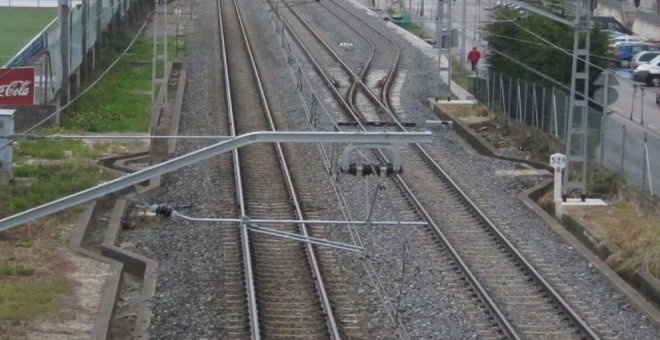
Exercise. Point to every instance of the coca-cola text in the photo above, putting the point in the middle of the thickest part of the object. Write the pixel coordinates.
(16, 88)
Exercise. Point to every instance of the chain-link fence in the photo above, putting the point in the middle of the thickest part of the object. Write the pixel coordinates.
(626, 148)
(44, 51)
(631, 152)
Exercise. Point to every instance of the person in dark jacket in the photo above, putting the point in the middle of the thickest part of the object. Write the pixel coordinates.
(474, 57)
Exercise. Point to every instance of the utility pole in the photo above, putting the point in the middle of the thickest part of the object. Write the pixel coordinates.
(443, 37)
(463, 36)
(159, 48)
(576, 134)
(577, 129)
(85, 22)
(64, 50)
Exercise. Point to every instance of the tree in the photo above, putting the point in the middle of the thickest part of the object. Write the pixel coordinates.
(515, 40)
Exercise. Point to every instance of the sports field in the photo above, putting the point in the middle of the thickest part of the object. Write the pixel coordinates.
(19, 26)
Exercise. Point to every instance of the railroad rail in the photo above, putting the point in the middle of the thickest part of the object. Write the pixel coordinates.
(522, 303)
(286, 292)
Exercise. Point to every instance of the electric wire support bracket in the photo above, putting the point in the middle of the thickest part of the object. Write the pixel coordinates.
(206, 153)
(255, 225)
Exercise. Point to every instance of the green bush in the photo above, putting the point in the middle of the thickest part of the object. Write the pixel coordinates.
(601, 181)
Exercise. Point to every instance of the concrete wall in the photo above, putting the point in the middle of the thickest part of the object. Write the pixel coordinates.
(643, 20)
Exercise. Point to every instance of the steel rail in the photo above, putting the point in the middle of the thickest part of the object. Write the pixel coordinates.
(483, 296)
(311, 257)
(352, 91)
(500, 318)
(473, 281)
(582, 326)
(392, 72)
(319, 69)
(245, 237)
(343, 64)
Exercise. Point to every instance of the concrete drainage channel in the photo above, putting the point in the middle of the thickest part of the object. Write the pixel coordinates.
(124, 310)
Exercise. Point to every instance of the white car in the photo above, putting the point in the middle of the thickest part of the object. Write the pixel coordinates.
(642, 58)
(626, 39)
(648, 73)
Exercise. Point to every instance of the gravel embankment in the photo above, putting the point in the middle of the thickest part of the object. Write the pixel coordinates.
(186, 303)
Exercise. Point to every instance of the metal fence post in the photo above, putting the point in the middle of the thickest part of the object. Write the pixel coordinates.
(543, 110)
(525, 103)
(632, 109)
(519, 102)
(554, 111)
(647, 161)
(602, 139)
(508, 111)
(641, 106)
(502, 101)
(6, 153)
(623, 151)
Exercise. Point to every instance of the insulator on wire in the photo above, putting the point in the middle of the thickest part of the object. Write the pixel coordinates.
(164, 210)
(372, 169)
(368, 170)
(390, 169)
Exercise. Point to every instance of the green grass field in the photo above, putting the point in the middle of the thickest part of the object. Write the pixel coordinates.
(19, 26)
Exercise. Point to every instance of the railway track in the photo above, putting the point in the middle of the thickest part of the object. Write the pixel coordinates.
(517, 298)
(285, 291)
(385, 52)
(305, 32)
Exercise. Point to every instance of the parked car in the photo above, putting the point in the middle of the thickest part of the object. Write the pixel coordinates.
(622, 39)
(643, 58)
(625, 51)
(648, 73)
(610, 23)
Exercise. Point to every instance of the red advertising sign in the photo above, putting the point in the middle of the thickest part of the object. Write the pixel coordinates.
(17, 86)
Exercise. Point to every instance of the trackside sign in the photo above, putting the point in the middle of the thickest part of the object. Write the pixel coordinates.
(17, 86)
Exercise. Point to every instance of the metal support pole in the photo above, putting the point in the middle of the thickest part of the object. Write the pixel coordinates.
(206, 153)
(6, 154)
(606, 84)
(64, 16)
(641, 106)
(85, 23)
(645, 164)
(647, 160)
(623, 151)
(443, 37)
(602, 139)
(463, 36)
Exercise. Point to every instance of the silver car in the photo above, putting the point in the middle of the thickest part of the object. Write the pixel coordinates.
(643, 57)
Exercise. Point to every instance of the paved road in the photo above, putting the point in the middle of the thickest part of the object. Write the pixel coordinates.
(637, 103)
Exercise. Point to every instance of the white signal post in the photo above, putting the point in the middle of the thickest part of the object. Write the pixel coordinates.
(558, 161)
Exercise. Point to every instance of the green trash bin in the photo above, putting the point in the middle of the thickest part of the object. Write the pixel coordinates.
(397, 19)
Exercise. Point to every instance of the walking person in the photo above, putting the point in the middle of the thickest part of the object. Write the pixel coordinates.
(474, 57)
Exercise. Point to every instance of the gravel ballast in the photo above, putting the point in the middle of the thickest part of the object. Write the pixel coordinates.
(187, 303)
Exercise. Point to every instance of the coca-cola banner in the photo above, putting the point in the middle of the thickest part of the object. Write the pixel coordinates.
(17, 86)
